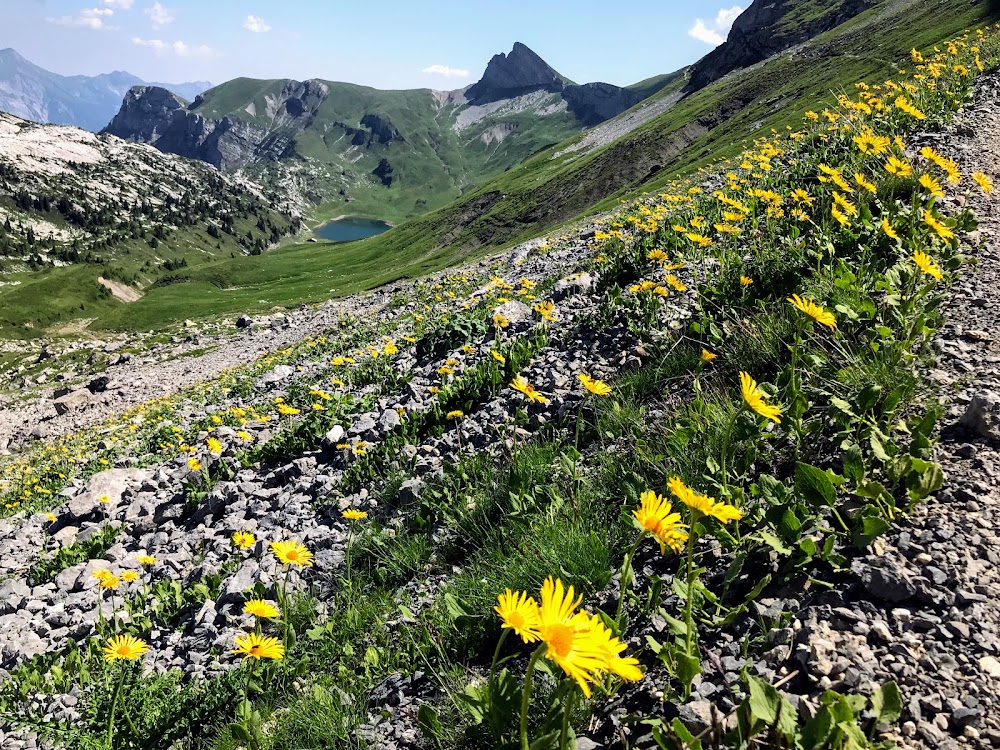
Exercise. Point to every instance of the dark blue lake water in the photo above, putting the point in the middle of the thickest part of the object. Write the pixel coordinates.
(350, 228)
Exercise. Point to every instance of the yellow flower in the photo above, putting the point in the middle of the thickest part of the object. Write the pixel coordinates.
(703, 505)
(814, 311)
(260, 608)
(51, 517)
(287, 411)
(130, 576)
(889, 231)
(657, 516)
(214, 446)
(519, 613)
(707, 356)
(104, 499)
(898, 168)
(547, 311)
(500, 321)
(870, 143)
(110, 582)
(101, 573)
(755, 399)
(521, 385)
(745, 281)
(984, 182)
(938, 227)
(931, 185)
(864, 184)
(569, 635)
(596, 387)
(292, 553)
(657, 256)
(254, 646)
(243, 539)
(456, 414)
(146, 560)
(841, 218)
(125, 647)
(354, 515)
(498, 356)
(926, 264)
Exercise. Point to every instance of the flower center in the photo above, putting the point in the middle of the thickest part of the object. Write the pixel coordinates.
(516, 620)
(123, 650)
(255, 649)
(560, 639)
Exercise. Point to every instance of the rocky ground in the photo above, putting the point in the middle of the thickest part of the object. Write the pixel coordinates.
(922, 607)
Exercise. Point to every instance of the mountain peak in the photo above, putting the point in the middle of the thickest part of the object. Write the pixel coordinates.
(519, 72)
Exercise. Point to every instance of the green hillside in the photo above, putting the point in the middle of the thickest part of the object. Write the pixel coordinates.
(548, 191)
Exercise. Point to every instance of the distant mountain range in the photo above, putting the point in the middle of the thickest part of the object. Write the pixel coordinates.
(88, 102)
(392, 154)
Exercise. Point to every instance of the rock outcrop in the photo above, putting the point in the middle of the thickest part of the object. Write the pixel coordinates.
(768, 27)
(520, 72)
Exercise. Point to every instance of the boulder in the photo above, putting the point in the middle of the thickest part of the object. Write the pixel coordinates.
(982, 416)
(72, 401)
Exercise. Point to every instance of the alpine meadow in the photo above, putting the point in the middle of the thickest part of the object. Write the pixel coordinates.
(660, 416)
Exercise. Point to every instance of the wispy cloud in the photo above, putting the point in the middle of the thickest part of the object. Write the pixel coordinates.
(88, 18)
(178, 48)
(714, 32)
(256, 24)
(160, 16)
(445, 71)
(118, 4)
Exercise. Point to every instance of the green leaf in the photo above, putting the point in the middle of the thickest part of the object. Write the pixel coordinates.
(869, 397)
(429, 723)
(815, 485)
(322, 696)
(240, 733)
(774, 542)
(842, 406)
(854, 465)
(766, 707)
(887, 703)
(878, 449)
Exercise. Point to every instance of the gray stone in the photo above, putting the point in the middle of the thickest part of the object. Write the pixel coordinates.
(982, 416)
(72, 401)
(389, 420)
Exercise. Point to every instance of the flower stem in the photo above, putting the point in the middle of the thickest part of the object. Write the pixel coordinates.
(114, 708)
(689, 604)
(626, 578)
(491, 682)
(526, 695)
(567, 712)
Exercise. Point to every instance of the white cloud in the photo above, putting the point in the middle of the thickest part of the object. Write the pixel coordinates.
(178, 48)
(160, 16)
(714, 32)
(256, 24)
(444, 70)
(119, 4)
(88, 18)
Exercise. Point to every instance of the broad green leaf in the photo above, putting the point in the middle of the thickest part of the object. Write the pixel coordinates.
(887, 703)
(815, 485)
(429, 723)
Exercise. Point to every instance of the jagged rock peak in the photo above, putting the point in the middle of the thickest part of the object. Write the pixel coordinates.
(513, 74)
(144, 109)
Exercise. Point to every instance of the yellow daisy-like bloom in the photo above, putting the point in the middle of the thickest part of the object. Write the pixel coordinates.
(569, 635)
(840, 216)
(260, 608)
(597, 387)
(745, 281)
(500, 321)
(214, 446)
(926, 264)
(254, 646)
(547, 311)
(243, 539)
(984, 182)
(194, 464)
(931, 185)
(126, 647)
(519, 613)
(110, 582)
(456, 414)
(939, 228)
(755, 399)
(521, 385)
(130, 576)
(287, 411)
(51, 517)
(703, 505)
(889, 231)
(657, 256)
(146, 560)
(657, 516)
(865, 184)
(814, 311)
(104, 499)
(101, 574)
(292, 553)
(354, 515)
(498, 356)
(707, 356)
(628, 668)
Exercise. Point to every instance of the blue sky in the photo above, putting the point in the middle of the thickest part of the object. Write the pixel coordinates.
(442, 44)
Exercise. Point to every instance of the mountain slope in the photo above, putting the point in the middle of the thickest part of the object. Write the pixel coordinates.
(559, 185)
(76, 207)
(33, 93)
(392, 154)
